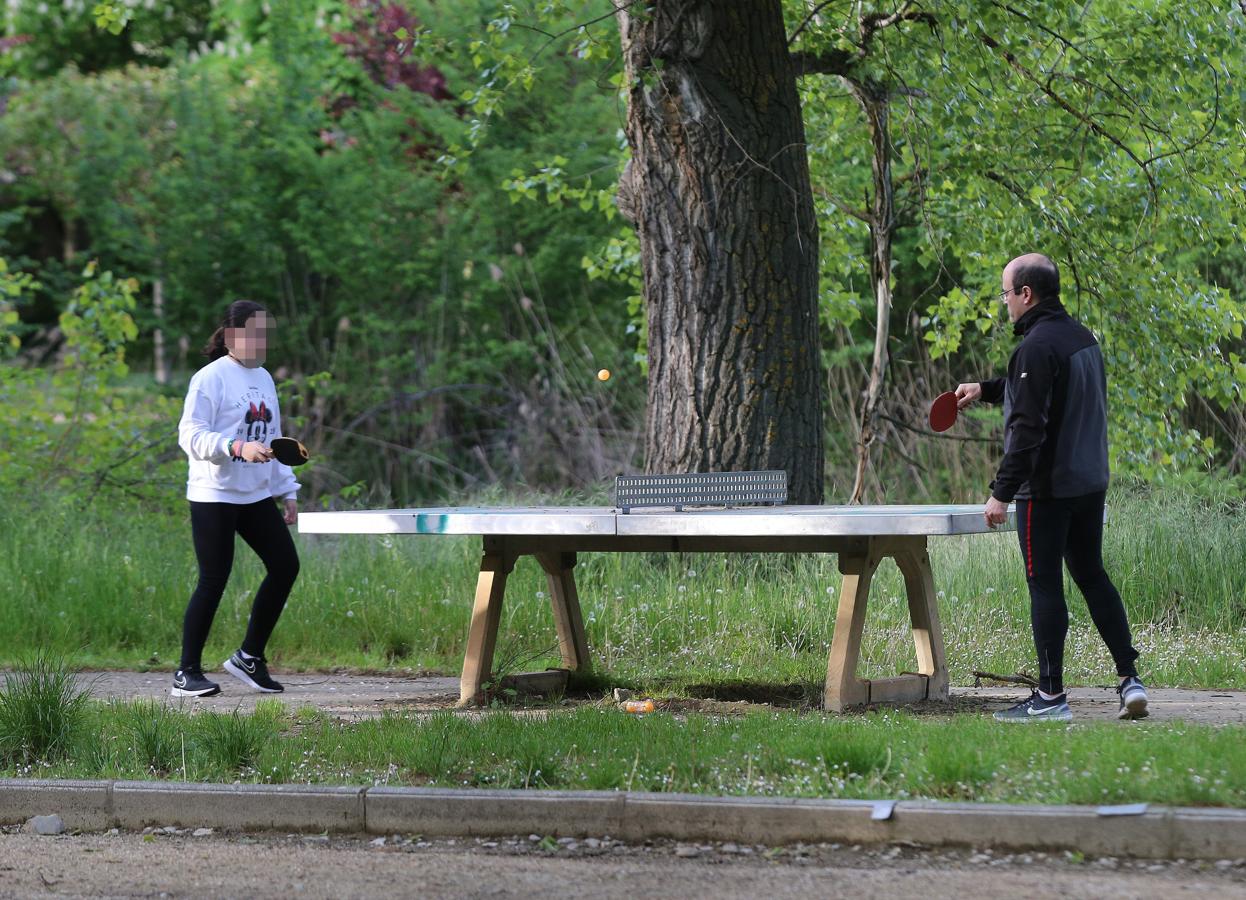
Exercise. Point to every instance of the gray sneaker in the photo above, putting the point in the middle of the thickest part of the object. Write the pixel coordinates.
(1133, 698)
(1036, 709)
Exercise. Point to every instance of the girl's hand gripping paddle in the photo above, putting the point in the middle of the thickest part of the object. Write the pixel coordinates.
(289, 451)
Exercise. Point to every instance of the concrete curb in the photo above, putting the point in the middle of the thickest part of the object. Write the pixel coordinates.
(1140, 830)
(245, 807)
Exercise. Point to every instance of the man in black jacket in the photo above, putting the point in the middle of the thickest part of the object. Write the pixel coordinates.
(1055, 467)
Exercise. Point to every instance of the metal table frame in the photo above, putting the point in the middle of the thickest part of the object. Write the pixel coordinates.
(861, 537)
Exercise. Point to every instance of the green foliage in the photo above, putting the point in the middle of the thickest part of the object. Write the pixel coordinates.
(41, 710)
(70, 431)
(112, 17)
(12, 286)
(273, 163)
(95, 35)
(1109, 138)
(277, 169)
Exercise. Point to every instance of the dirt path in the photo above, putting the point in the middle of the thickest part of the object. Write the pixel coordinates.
(363, 696)
(181, 865)
(345, 696)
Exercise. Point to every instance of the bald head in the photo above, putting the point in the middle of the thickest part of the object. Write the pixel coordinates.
(1036, 271)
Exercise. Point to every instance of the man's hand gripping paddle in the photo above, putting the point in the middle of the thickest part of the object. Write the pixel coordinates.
(289, 451)
(943, 411)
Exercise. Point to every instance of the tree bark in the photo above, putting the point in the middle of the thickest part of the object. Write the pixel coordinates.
(718, 189)
(874, 103)
(157, 304)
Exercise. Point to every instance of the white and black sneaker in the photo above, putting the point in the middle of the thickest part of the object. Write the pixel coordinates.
(1133, 698)
(191, 683)
(252, 672)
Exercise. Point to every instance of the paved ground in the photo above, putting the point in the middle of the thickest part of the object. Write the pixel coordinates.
(346, 696)
(181, 865)
(361, 696)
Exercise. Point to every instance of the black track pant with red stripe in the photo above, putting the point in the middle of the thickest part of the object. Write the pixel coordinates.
(1069, 530)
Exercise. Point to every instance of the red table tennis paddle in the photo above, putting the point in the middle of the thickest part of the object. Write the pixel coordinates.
(943, 411)
(289, 451)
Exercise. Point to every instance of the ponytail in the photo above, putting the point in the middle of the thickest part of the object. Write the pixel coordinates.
(215, 347)
(235, 317)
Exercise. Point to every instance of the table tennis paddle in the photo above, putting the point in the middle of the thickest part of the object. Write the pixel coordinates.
(289, 451)
(943, 411)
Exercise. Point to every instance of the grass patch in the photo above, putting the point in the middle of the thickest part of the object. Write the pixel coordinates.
(156, 738)
(110, 587)
(41, 710)
(232, 742)
(783, 753)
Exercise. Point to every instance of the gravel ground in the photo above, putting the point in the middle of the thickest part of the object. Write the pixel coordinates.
(177, 863)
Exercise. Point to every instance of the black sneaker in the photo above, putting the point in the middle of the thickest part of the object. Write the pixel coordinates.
(191, 683)
(252, 672)
(1036, 709)
(1133, 698)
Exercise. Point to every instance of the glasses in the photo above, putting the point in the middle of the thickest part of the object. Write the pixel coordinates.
(1003, 295)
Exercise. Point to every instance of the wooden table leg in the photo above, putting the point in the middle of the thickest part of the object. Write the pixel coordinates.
(572, 642)
(914, 562)
(843, 689)
(486, 615)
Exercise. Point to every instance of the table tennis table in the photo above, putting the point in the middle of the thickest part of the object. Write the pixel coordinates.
(860, 536)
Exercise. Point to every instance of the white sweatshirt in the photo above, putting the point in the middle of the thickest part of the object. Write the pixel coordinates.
(227, 401)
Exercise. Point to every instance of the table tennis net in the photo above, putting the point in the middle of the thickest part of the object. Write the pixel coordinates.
(700, 489)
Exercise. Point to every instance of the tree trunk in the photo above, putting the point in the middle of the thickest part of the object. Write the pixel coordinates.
(718, 188)
(882, 226)
(157, 304)
(69, 240)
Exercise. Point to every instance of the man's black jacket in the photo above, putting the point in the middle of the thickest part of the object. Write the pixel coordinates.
(1055, 410)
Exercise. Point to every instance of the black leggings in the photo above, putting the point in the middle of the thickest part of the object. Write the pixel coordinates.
(1069, 529)
(213, 526)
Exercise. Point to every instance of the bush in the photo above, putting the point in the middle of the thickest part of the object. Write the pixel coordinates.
(41, 709)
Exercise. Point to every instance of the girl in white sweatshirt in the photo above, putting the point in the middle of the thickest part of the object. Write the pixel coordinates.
(229, 420)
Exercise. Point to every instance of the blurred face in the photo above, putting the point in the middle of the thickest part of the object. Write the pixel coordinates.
(249, 344)
(1018, 298)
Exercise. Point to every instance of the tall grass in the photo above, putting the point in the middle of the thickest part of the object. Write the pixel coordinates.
(41, 710)
(232, 742)
(111, 587)
(157, 742)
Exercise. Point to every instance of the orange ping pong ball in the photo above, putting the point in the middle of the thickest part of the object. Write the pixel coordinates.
(603, 374)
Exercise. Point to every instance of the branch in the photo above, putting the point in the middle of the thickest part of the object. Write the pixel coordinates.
(841, 62)
(942, 435)
(831, 62)
(809, 18)
(1086, 120)
(1020, 677)
(407, 400)
(873, 23)
(1215, 118)
(615, 8)
(844, 208)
